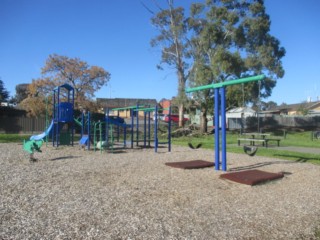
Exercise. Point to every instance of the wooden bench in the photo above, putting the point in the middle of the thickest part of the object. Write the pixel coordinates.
(273, 139)
(251, 140)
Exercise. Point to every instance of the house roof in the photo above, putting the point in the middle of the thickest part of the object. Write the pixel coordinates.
(241, 110)
(296, 106)
(125, 102)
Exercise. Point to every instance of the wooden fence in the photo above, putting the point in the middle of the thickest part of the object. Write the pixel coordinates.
(22, 125)
(38, 125)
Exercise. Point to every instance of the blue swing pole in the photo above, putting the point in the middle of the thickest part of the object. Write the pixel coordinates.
(72, 123)
(223, 130)
(169, 131)
(216, 129)
(149, 128)
(54, 117)
(132, 126)
(88, 129)
(144, 129)
(58, 120)
(137, 126)
(156, 130)
(216, 87)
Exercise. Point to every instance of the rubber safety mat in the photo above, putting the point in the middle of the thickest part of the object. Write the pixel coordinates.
(251, 177)
(194, 164)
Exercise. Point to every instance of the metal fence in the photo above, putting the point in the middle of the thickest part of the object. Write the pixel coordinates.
(22, 125)
(276, 121)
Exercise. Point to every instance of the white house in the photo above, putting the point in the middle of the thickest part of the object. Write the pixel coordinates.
(236, 116)
(240, 112)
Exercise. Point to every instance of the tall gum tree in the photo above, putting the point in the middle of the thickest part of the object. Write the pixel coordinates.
(173, 41)
(230, 39)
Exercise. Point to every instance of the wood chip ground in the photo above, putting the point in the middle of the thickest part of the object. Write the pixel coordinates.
(75, 194)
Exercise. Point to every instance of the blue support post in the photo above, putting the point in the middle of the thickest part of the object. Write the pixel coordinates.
(118, 128)
(89, 130)
(54, 116)
(156, 130)
(223, 130)
(125, 135)
(108, 123)
(137, 127)
(72, 123)
(216, 129)
(145, 130)
(58, 120)
(132, 126)
(169, 131)
(149, 129)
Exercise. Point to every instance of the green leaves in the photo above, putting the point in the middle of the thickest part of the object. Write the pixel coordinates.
(233, 40)
(4, 94)
(221, 40)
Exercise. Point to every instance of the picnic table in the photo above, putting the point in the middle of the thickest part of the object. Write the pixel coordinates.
(257, 135)
(263, 138)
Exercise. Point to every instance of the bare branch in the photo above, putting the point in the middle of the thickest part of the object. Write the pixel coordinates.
(147, 8)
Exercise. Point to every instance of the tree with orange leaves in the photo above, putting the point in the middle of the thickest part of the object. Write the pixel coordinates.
(58, 70)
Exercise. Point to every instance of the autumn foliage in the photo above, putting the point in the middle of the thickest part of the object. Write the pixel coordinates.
(58, 70)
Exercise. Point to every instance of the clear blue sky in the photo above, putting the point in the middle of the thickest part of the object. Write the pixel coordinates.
(116, 35)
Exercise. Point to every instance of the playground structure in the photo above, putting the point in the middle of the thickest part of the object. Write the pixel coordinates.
(220, 109)
(62, 124)
(103, 133)
(134, 127)
(63, 121)
(107, 134)
(94, 132)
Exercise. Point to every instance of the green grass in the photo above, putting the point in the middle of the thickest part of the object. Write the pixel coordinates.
(13, 138)
(18, 138)
(297, 139)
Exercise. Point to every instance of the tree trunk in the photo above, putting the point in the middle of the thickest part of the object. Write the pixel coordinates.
(203, 121)
(181, 93)
(181, 115)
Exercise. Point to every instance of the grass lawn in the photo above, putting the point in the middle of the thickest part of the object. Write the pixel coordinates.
(294, 139)
(11, 138)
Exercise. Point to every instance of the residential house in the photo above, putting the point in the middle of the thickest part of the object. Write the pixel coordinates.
(305, 108)
(236, 117)
(165, 104)
(107, 104)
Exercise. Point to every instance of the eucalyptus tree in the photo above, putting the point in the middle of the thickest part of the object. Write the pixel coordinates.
(230, 39)
(173, 41)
